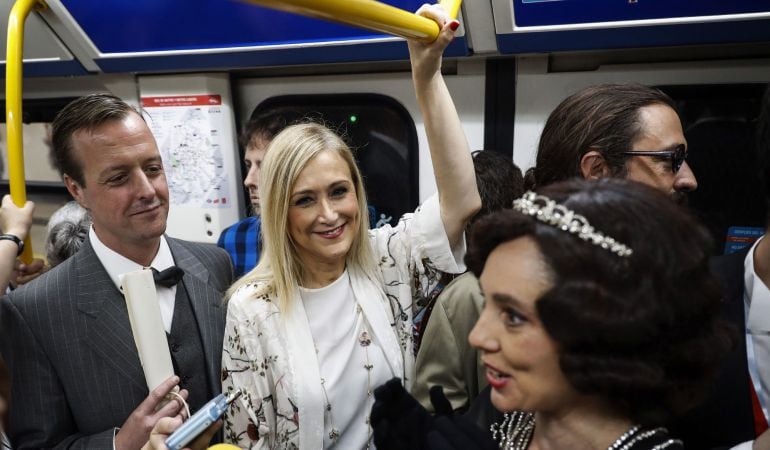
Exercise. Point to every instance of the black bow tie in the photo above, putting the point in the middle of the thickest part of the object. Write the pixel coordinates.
(168, 277)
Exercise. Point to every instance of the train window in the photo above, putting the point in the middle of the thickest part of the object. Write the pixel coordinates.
(44, 185)
(381, 134)
(39, 169)
(720, 124)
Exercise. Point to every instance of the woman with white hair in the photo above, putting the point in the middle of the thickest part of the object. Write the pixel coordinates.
(67, 229)
(325, 317)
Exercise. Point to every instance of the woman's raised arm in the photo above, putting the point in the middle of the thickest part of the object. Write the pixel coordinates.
(450, 154)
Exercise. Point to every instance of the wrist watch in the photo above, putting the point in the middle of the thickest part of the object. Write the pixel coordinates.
(14, 238)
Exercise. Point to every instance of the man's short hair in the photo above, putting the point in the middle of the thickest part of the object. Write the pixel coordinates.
(85, 113)
(604, 118)
(267, 124)
(498, 179)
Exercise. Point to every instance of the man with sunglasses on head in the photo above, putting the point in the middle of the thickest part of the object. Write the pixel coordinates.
(616, 130)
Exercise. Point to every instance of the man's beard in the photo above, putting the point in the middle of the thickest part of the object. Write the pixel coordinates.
(680, 198)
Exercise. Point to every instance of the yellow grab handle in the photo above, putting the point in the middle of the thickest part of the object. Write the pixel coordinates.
(13, 78)
(368, 14)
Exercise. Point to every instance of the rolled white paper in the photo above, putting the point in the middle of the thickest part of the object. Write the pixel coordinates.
(147, 326)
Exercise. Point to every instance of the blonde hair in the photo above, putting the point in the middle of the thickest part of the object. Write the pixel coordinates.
(279, 270)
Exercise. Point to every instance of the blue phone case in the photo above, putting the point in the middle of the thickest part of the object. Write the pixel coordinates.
(197, 424)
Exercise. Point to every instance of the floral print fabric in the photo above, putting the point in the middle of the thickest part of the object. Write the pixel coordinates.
(256, 355)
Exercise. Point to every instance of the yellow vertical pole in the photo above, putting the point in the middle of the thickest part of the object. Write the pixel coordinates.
(369, 14)
(13, 84)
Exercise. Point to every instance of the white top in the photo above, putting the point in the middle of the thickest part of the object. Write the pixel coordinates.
(337, 326)
(756, 298)
(116, 265)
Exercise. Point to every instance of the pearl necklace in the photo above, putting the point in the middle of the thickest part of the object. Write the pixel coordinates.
(516, 430)
(364, 340)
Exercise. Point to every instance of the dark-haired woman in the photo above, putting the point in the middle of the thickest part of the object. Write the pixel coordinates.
(596, 328)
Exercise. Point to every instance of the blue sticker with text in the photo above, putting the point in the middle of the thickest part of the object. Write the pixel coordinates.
(741, 237)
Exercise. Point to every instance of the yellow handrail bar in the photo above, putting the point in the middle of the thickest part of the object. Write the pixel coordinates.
(13, 82)
(367, 14)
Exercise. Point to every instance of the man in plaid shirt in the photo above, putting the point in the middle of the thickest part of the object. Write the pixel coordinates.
(242, 239)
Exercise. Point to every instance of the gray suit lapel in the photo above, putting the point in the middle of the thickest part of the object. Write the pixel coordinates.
(108, 328)
(207, 307)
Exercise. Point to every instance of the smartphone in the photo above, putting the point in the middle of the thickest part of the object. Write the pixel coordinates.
(200, 421)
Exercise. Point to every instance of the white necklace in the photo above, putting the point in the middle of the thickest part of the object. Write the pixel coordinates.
(364, 340)
(516, 430)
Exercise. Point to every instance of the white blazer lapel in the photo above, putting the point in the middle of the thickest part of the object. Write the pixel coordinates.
(306, 376)
(372, 303)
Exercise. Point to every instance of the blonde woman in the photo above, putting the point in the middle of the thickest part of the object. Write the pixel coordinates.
(325, 317)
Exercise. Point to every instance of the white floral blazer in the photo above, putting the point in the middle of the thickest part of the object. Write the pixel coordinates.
(270, 355)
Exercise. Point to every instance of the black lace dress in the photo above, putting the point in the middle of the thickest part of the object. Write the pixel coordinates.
(399, 422)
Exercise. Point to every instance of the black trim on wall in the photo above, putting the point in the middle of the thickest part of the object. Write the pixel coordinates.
(39, 110)
(500, 105)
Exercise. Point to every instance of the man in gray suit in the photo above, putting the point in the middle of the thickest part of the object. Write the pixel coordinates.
(76, 377)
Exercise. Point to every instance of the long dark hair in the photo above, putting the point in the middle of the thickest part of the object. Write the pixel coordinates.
(604, 118)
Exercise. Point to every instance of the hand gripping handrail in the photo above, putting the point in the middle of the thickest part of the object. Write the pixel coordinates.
(369, 14)
(13, 82)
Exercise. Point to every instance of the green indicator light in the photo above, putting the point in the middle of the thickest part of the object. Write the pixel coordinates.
(354, 118)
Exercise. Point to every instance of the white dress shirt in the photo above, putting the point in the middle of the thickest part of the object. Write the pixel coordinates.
(756, 298)
(117, 264)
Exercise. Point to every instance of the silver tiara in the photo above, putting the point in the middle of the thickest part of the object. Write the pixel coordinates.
(548, 211)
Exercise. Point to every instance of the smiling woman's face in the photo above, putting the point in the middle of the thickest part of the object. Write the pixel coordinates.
(323, 211)
(521, 358)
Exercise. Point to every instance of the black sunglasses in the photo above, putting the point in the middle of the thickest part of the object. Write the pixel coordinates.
(677, 155)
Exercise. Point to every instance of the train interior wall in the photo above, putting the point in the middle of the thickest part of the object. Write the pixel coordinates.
(726, 198)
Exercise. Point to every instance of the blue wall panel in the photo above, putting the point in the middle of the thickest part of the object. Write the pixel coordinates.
(604, 24)
(635, 37)
(529, 13)
(124, 26)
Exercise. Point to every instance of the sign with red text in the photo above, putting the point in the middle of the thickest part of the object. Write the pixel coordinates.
(188, 130)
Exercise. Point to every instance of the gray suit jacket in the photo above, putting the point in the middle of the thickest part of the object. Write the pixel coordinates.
(67, 341)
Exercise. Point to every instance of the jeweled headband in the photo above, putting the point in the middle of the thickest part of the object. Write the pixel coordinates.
(548, 211)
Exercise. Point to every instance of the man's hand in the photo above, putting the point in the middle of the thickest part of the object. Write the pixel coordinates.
(135, 432)
(24, 273)
(168, 425)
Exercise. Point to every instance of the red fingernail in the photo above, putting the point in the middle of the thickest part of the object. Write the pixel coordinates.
(454, 24)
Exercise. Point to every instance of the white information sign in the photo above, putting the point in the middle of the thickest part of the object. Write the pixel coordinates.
(189, 132)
